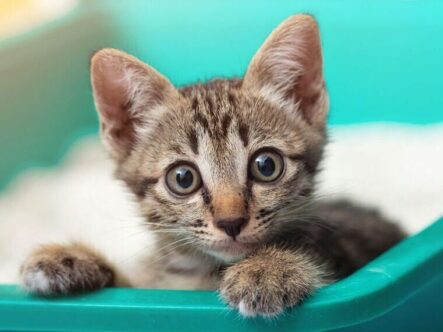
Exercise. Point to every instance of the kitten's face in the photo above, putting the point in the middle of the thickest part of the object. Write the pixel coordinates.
(224, 167)
(220, 167)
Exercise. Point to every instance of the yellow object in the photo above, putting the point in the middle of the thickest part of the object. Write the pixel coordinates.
(17, 16)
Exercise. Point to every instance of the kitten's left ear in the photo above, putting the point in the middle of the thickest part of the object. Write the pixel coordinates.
(287, 69)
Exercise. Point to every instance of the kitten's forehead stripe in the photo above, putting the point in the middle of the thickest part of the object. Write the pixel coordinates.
(177, 149)
(243, 132)
(193, 141)
(232, 99)
(215, 107)
(226, 122)
(209, 103)
(194, 103)
(201, 119)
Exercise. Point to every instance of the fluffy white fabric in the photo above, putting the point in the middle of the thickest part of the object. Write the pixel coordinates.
(397, 168)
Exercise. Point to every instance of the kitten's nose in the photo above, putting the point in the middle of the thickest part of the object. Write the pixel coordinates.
(232, 227)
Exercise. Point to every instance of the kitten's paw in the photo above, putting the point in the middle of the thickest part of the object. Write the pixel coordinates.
(269, 282)
(56, 270)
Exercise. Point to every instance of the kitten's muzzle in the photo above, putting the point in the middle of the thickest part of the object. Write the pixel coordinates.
(232, 227)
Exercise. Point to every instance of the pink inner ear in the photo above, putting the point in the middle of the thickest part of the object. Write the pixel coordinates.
(112, 91)
(119, 126)
(310, 85)
(110, 88)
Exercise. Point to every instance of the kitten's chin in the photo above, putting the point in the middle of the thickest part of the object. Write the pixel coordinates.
(230, 252)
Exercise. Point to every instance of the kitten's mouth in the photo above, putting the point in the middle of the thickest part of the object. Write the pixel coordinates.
(230, 250)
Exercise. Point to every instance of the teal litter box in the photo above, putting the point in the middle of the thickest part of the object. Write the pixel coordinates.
(383, 62)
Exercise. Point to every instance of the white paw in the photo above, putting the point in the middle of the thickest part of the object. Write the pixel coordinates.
(55, 270)
(36, 282)
(244, 310)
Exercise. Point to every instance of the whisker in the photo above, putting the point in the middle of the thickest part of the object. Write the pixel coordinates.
(157, 250)
(178, 244)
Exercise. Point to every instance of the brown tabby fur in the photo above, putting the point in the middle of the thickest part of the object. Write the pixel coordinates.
(291, 244)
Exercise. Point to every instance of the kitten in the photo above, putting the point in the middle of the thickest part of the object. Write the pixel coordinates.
(224, 173)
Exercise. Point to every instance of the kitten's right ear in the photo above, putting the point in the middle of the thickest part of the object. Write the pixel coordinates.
(127, 94)
(287, 69)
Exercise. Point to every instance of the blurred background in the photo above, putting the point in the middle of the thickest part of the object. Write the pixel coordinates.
(384, 71)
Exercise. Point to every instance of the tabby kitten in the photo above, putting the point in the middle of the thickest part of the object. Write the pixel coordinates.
(224, 171)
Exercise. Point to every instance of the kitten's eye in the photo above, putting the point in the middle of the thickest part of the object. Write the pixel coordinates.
(266, 166)
(183, 179)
